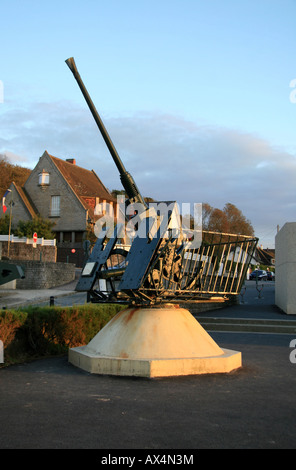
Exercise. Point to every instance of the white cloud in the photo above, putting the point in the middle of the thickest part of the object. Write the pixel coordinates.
(170, 158)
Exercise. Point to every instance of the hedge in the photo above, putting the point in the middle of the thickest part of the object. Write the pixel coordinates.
(33, 332)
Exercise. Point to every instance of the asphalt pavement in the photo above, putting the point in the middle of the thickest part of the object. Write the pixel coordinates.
(50, 404)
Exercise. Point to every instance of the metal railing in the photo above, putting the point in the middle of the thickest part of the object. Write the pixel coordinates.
(217, 268)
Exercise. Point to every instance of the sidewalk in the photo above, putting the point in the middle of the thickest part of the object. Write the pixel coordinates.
(15, 298)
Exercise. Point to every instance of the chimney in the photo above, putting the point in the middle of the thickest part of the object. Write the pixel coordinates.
(71, 160)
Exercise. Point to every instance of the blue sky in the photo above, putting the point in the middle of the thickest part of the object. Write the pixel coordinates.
(195, 95)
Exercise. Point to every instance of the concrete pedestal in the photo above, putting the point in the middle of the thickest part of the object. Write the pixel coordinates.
(154, 342)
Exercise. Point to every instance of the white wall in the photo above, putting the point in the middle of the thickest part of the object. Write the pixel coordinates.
(285, 268)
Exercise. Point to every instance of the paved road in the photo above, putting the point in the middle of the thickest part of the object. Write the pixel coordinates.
(51, 404)
(262, 297)
(77, 298)
(253, 304)
(65, 295)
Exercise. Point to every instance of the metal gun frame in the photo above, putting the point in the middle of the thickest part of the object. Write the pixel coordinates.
(174, 274)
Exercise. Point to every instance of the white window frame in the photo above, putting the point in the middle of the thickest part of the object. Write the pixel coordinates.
(55, 207)
(43, 178)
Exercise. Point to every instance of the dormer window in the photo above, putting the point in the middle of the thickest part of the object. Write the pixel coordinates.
(43, 178)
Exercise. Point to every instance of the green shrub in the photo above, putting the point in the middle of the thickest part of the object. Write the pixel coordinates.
(42, 331)
(10, 321)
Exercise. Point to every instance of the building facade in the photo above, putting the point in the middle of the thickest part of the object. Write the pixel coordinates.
(66, 194)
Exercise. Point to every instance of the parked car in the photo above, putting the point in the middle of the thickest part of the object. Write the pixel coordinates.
(270, 276)
(259, 274)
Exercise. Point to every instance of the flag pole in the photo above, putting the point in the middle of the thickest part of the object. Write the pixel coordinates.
(9, 229)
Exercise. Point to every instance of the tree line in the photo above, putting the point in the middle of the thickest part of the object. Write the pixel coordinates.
(228, 220)
(10, 173)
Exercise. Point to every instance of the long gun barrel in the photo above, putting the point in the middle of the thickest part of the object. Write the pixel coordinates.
(126, 178)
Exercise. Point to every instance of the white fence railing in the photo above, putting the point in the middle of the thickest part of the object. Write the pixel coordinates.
(28, 241)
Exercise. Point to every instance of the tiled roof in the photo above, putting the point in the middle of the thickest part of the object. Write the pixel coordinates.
(26, 200)
(265, 256)
(85, 183)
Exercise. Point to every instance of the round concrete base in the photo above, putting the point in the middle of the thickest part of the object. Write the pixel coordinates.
(154, 342)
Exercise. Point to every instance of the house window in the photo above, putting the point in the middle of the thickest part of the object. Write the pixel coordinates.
(43, 178)
(55, 206)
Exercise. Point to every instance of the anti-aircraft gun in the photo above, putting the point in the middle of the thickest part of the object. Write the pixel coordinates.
(164, 262)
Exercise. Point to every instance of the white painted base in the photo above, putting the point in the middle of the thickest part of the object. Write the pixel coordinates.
(154, 342)
(156, 367)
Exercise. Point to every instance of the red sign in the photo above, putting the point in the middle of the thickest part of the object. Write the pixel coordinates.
(35, 237)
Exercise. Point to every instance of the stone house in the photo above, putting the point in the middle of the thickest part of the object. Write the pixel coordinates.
(265, 256)
(66, 194)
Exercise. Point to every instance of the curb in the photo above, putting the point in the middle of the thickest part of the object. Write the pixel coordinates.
(252, 325)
